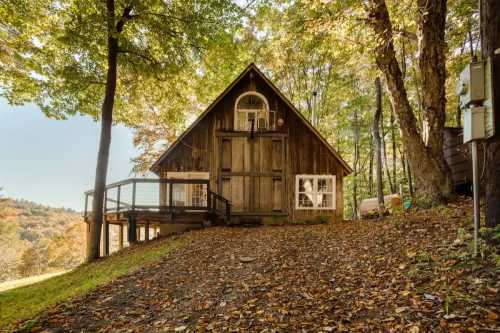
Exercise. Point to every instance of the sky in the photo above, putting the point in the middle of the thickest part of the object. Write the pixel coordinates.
(52, 162)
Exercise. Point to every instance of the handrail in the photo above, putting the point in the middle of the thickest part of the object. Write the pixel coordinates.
(150, 180)
(226, 212)
(118, 204)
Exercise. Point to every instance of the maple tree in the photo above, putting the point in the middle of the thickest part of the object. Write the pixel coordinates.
(80, 56)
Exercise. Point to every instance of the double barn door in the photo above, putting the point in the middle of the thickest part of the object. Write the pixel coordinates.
(252, 172)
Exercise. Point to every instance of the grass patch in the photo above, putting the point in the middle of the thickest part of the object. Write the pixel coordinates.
(26, 302)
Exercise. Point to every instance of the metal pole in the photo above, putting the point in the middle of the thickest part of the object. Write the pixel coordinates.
(475, 189)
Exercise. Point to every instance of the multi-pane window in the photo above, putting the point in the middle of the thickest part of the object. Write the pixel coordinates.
(315, 192)
(251, 109)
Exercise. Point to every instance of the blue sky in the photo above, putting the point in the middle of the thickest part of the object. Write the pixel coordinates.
(53, 161)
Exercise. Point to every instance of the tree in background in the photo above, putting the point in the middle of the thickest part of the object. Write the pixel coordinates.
(378, 147)
(432, 174)
(71, 56)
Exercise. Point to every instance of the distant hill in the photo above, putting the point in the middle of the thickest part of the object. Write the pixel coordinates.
(38, 239)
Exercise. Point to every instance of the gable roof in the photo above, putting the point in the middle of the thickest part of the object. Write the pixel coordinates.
(250, 67)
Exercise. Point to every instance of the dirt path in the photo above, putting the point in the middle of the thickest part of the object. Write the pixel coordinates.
(7, 285)
(364, 276)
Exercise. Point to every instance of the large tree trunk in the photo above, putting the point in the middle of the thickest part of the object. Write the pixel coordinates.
(378, 147)
(490, 29)
(94, 236)
(432, 66)
(432, 175)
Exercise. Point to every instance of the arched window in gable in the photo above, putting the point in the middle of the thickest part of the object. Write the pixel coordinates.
(252, 108)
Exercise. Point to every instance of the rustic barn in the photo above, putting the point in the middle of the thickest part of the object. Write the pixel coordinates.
(260, 153)
(250, 157)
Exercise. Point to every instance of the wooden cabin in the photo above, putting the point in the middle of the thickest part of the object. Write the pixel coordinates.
(260, 153)
(250, 157)
(458, 156)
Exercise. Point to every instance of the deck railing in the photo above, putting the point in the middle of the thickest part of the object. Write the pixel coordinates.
(160, 195)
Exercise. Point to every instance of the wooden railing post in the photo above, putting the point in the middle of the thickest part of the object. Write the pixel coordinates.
(105, 203)
(118, 198)
(228, 209)
(133, 194)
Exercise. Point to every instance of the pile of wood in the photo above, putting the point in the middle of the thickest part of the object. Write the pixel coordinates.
(369, 207)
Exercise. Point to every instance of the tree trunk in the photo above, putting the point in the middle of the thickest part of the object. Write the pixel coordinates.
(432, 65)
(432, 175)
(370, 174)
(355, 165)
(378, 147)
(394, 149)
(384, 150)
(93, 239)
(490, 30)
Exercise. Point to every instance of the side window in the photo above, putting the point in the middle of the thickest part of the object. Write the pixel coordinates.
(315, 192)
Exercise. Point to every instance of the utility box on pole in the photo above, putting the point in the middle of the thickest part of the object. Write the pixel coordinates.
(474, 123)
(471, 84)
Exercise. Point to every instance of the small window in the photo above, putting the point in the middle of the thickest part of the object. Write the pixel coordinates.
(315, 192)
(252, 109)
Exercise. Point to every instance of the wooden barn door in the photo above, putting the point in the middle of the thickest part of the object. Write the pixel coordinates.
(252, 173)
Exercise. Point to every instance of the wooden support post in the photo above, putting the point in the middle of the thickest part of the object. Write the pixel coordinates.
(106, 238)
(132, 230)
(120, 237)
(138, 230)
(146, 232)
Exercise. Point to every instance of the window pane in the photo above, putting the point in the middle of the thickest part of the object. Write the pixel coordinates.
(306, 184)
(325, 185)
(251, 102)
(199, 195)
(179, 194)
(325, 200)
(241, 121)
(305, 200)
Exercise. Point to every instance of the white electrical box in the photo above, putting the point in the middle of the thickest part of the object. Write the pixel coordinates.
(470, 87)
(473, 124)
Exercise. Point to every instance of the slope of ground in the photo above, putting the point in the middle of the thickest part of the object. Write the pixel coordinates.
(407, 273)
(28, 301)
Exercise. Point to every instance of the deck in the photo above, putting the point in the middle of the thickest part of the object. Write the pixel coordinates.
(137, 204)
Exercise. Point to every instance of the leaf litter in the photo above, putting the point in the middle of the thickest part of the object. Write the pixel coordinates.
(401, 274)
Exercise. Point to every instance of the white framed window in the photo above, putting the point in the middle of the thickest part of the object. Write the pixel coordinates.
(314, 192)
(252, 107)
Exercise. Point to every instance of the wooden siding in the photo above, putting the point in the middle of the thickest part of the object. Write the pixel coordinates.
(213, 146)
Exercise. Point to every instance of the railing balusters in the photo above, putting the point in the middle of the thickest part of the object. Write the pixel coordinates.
(215, 203)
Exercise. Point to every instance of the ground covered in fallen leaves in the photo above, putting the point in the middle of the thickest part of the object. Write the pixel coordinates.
(408, 273)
